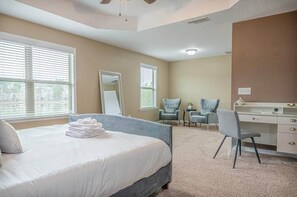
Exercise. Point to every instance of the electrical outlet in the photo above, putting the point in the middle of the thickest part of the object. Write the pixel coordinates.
(244, 91)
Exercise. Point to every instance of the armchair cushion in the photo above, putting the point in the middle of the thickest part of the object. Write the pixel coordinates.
(198, 119)
(169, 110)
(194, 113)
(169, 116)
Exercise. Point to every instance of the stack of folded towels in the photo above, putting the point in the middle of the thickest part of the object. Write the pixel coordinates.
(85, 128)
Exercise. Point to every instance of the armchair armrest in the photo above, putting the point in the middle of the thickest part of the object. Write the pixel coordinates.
(211, 117)
(194, 113)
(160, 113)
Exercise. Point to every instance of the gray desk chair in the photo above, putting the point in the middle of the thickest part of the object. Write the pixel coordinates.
(230, 127)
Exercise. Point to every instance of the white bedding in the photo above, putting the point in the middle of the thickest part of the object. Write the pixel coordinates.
(57, 165)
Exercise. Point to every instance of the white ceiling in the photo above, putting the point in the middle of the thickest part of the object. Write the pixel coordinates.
(160, 29)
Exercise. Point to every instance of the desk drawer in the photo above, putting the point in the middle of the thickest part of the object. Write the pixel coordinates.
(284, 128)
(259, 119)
(287, 120)
(287, 143)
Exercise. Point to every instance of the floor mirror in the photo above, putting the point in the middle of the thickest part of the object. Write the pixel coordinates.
(111, 92)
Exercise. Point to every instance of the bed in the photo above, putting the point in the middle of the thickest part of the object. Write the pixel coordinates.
(132, 159)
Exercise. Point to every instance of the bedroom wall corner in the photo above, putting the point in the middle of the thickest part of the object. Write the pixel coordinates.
(92, 56)
(199, 78)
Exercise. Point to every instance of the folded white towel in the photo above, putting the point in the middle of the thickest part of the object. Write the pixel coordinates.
(83, 135)
(75, 132)
(87, 121)
(85, 128)
(76, 124)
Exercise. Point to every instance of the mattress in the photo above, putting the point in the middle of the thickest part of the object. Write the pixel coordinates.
(57, 165)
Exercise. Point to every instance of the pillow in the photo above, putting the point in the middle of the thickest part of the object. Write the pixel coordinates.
(9, 140)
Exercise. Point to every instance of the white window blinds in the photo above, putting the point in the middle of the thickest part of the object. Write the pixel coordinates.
(35, 81)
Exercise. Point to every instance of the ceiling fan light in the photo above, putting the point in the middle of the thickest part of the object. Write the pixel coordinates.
(191, 51)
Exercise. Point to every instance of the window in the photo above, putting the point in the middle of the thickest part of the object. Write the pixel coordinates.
(148, 86)
(35, 80)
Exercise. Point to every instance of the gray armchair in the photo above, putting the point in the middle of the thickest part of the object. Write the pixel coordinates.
(208, 114)
(171, 109)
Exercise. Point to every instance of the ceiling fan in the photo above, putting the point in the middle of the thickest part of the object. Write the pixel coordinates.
(108, 1)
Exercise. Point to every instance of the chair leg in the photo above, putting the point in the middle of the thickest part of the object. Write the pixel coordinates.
(239, 147)
(220, 146)
(235, 154)
(256, 149)
(207, 127)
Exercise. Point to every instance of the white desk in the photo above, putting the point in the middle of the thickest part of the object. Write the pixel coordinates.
(277, 123)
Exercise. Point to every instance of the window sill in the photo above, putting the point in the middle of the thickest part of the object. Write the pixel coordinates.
(35, 119)
(148, 109)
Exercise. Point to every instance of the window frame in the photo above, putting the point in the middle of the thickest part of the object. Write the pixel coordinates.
(51, 46)
(154, 88)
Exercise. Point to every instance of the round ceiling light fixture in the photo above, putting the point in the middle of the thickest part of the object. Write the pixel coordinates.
(191, 51)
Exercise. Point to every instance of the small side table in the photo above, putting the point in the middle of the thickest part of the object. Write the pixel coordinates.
(184, 114)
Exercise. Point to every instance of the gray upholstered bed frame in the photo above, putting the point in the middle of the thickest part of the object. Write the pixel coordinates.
(162, 177)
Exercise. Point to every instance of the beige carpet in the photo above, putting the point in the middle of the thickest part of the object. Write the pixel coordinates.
(195, 173)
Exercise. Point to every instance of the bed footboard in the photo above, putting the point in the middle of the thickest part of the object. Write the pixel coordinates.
(163, 176)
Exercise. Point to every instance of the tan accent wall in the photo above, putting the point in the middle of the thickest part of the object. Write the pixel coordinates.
(194, 79)
(90, 57)
(264, 57)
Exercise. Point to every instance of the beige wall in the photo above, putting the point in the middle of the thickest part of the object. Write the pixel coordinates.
(194, 79)
(90, 57)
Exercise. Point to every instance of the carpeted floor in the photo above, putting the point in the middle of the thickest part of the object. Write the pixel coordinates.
(195, 173)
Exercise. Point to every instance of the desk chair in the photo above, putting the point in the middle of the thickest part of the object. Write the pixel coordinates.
(230, 127)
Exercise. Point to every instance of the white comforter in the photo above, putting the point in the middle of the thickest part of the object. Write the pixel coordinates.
(57, 165)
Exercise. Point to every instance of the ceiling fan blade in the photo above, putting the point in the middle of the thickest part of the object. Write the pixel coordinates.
(150, 1)
(105, 1)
